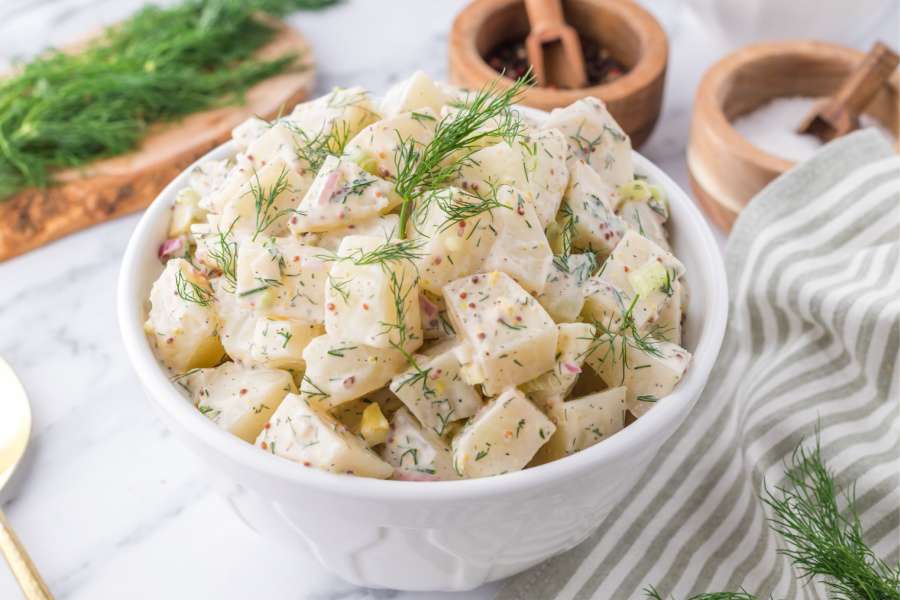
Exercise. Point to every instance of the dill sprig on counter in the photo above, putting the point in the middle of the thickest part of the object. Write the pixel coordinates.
(423, 168)
(823, 541)
(66, 110)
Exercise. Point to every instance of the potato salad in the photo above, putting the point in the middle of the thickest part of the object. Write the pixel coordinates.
(433, 287)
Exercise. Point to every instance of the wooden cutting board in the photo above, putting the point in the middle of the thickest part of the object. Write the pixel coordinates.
(117, 186)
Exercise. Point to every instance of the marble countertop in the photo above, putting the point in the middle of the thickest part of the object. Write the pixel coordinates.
(109, 505)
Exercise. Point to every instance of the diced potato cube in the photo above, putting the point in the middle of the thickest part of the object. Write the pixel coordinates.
(341, 113)
(435, 322)
(416, 453)
(370, 300)
(283, 278)
(416, 93)
(649, 368)
(575, 340)
(503, 437)
(257, 269)
(341, 194)
(535, 164)
(238, 399)
(376, 147)
(563, 294)
(587, 215)
(669, 324)
(279, 344)
(236, 180)
(640, 190)
(186, 212)
(374, 427)
(249, 131)
(340, 370)
(646, 272)
(520, 249)
(583, 422)
(640, 218)
(605, 304)
(237, 322)
(351, 413)
(455, 238)
(208, 176)
(265, 201)
(511, 336)
(301, 433)
(386, 227)
(182, 321)
(281, 141)
(434, 391)
(594, 137)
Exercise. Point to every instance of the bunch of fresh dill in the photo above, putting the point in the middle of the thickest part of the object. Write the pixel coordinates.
(66, 110)
(822, 541)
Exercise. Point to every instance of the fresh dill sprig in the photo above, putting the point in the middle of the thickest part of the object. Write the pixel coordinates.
(224, 253)
(400, 292)
(316, 392)
(264, 284)
(65, 110)
(569, 224)
(190, 291)
(423, 168)
(650, 593)
(617, 339)
(462, 207)
(287, 335)
(314, 149)
(389, 251)
(339, 287)
(264, 201)
(822, 541)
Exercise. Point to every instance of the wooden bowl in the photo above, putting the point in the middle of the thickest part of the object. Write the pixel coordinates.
(725, 169)
(630, 33)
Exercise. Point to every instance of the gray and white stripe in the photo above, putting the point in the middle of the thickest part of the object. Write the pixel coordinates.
(814, 341)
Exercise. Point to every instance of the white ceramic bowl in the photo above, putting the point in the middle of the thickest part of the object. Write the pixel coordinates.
(453, 535)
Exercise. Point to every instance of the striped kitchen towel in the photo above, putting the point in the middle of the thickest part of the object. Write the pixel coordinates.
(814, 273)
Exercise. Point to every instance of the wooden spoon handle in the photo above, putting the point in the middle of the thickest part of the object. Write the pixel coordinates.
(864, 82)
(545, 16)
(23, 568)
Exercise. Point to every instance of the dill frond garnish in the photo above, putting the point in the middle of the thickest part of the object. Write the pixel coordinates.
(387, 252)
(190, 291)
(264, 201)
(339, 287)
(310, 389)
(224, 253)
(616, 340)
(423, 168)
(460, 207)
(650, 593)
(570, 222)
(66, 110)
(822, 541)
(314, 149)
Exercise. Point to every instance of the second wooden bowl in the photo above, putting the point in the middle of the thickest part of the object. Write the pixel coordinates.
(725, 169)
(631, 34)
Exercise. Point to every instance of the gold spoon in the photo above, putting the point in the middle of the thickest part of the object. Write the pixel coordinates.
(15, 428)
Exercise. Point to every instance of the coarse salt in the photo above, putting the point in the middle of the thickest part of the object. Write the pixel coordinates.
(771, 128)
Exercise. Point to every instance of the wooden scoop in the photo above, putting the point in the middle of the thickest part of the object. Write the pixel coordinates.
(564, 61)
(839, 114)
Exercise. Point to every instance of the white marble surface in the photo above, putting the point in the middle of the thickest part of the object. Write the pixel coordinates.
(108, 504)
